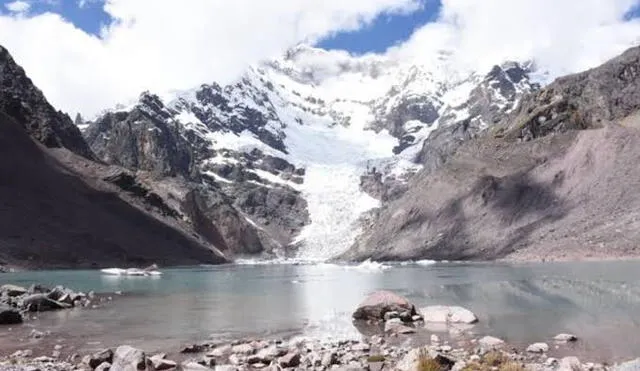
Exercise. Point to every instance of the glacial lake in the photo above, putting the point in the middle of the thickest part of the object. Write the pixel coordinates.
(524, 303)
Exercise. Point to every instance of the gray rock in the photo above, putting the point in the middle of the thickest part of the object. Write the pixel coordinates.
(127, 358)
(193, 348)
(391, 315)
(490, 342)
(329, 358)
(105, 355)
(538, 348)
(444, 314)
(291, 359)
(361, 347)
(41, 303)
(220, 351)
(35, 334)
(570, 364)
(9, 316)
(13, 290)
(105, 366)
(377, 304)
(225, 368)
(160, 363)
(243, 349)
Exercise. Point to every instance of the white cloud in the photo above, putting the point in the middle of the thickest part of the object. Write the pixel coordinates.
(563, 36)
(18, 6)
(160, 45)
(173, 44)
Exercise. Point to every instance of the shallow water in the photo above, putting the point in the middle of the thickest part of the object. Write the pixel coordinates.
(598, 301)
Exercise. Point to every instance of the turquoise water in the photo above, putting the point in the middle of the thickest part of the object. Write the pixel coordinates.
(600, 302)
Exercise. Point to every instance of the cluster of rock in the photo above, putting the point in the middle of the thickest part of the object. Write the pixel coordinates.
(373, 353)
(16, 300)
(399, 316)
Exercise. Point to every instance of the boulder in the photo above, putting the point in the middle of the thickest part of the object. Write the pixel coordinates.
(538, 348)
(329, 359)
(159, 363)
(220, 351)
(41, 303)
(490, 342)
(98, 358)
(13, 290)
(105, 366)
(376, 305)
(9, 316)
(446, 314)
(127, 358)
(291, 359)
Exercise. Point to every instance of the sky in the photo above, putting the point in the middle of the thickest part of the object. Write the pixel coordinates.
(87, 55)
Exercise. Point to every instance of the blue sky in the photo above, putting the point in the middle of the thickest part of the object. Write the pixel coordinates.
(383, 32)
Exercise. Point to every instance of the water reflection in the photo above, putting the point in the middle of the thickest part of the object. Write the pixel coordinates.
(524, 303)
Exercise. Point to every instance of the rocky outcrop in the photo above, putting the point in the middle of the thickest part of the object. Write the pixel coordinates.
(142, 139)
(495, 96)
(63, 209)
(553, 196)
(244, 203)
(591, 99)
(21, 101)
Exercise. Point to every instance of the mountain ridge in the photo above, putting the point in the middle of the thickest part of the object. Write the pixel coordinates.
(327, 123)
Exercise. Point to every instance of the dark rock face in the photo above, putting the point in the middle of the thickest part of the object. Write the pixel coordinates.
(142, 139)
(222, 192)
(237, 117)
(529, 188)
(60, 208)
(24, 103)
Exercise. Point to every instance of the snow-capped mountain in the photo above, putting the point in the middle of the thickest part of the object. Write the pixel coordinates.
(300, 147)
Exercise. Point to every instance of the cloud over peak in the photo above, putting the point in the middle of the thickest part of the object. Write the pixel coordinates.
(170, 44)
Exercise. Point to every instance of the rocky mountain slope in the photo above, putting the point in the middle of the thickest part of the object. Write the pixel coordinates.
(554, 179)
(299, 149)
(61, 208)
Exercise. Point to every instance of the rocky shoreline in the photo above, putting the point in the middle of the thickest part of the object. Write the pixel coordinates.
(390, 326)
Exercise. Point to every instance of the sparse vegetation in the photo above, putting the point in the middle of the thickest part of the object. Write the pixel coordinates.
(511, 366)
(494, 360)
(376, 358)
(426, 363)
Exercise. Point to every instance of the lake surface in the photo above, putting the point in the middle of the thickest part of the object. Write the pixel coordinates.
(598, 301)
